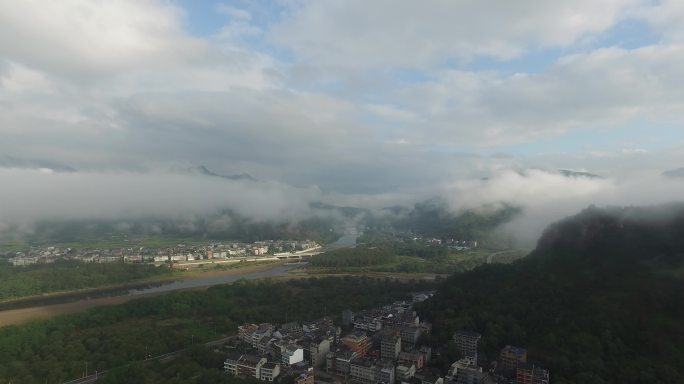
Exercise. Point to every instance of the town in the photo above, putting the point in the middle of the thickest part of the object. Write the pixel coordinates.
(380, 345)
(162, 255)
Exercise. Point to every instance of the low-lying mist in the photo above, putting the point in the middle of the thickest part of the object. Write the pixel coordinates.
(29, 196)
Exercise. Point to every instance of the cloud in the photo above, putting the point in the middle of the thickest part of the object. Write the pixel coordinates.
(83, 39)
(35, 194)
(604, 88)
(546, 197)
(356, 103)
(404, 34)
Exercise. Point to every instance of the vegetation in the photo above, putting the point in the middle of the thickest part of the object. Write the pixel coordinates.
(353, 257)
(598, 301)
(115, 336)
(434, 218)
(16, 282)
(224, 225)
(195, 365)
(382, 254)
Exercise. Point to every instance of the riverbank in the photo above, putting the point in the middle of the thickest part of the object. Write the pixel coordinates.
(28, 309)
(167, 278)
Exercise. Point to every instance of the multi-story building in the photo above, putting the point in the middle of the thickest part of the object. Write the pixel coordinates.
(427, 352)
(385, 372)
(250, 366)
(357, 342)
(264, 329)
(367, 321)
(291, 354)
(318, 349)
(465, 371)
(412, 357)
(246, 331)
(466, 343)
(409, 336)
(527, 373)
(390, 347)
(269, 371)
(339, 362)
(291, 329)
(231, 363)
(347, 318)
(511, 356)
(363, 371)
(405, 371)
(264, 344)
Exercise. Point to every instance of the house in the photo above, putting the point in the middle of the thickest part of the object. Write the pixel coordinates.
(385, 372)
(413, 357)
(405, 371)
(390, 347)
(246, 331)
(318, 349)
(466, 343)
(347, 318)
(511, 356)
(231, 363)
(410, 336)
(264, 344)
(339, 362)
(250, 366)
(269, 371)
(357, 342)
(528, 373)
(363, 371)
(305, 377)
(291, 354)
(465, 371)
(264, 329)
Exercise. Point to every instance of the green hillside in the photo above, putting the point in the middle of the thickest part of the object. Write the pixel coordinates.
(601, 299)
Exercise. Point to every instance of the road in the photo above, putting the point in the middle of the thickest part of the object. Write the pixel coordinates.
(163, 358)
(491, 257)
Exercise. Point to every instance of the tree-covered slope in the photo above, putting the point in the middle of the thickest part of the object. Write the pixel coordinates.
(601, 299)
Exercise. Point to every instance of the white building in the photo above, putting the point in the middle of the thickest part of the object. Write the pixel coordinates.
(292, 354)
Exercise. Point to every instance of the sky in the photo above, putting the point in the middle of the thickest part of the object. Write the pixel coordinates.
(105, 105)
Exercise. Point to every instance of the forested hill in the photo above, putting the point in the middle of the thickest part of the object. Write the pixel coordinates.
(601, 299)
(640, 234)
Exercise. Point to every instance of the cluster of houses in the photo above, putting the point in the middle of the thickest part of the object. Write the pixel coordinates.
(381, 345)
(511, 368)
(180, 252)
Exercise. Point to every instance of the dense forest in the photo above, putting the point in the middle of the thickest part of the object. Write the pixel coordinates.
(16, 282)
(601, 299)
(114, 336)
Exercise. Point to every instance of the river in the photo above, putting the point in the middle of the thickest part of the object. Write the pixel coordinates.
(130, 291)
(50, 305)
(279, 270)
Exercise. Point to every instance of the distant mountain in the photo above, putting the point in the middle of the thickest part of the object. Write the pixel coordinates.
(435, 218)
(223, 225)
(13, 162)
(674, 173)
(578, 174)
(349, 212)
(600, 300)
(201, 169)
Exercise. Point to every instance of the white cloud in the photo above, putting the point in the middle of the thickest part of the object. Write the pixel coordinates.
(604, 88)
(407, 34)
(82, 39)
